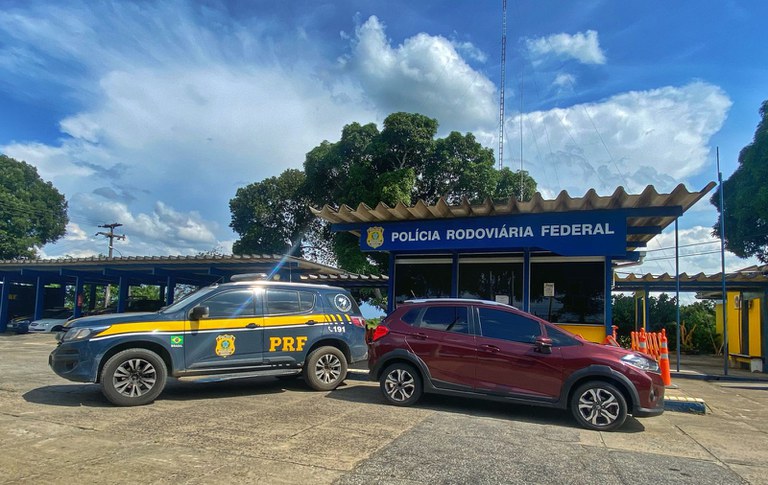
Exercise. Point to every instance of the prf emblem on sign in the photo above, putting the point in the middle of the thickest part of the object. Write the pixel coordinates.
(225, 345)
(549, 289)
(375, 237)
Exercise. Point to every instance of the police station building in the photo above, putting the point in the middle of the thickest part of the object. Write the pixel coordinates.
(553, 258)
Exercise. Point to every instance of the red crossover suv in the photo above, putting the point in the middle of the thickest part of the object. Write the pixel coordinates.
(476, 348)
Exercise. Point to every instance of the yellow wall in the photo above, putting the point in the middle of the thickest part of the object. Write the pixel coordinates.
(593, 333)
(734, 325)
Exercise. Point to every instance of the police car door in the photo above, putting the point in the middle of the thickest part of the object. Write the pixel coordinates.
(293, 319)
(232, 334)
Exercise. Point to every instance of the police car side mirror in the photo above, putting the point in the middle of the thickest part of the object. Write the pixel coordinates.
(198, 312)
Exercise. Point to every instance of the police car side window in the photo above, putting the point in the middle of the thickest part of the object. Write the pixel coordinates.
(285, 302)
(231, 304)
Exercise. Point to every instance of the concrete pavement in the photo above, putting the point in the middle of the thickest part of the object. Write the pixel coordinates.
(268, 431)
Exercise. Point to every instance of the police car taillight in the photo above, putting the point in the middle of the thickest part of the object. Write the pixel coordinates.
(381, 331)
(358, 321)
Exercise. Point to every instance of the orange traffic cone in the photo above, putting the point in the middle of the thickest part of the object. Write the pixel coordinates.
(642, 348)
(666, 375)
(633, 335)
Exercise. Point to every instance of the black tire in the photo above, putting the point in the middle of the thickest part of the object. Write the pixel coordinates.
(325, 368)
(599, 406)
(401, 384)
(133, 377)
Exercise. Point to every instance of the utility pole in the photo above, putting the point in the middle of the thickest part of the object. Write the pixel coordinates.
(111, 236)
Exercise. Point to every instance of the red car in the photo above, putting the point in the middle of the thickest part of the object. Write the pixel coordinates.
(488, 350)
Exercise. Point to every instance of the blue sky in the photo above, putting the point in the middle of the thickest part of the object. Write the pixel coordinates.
(153, 113)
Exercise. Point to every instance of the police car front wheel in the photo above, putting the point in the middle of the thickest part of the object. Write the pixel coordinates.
(325, 369)
(133, 377)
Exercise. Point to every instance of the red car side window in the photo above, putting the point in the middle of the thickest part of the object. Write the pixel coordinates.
(506, 325)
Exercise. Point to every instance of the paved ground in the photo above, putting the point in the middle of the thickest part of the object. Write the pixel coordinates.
(260, 430)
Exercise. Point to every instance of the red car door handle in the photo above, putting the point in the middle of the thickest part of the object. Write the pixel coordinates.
(420, 336)
(489, 348)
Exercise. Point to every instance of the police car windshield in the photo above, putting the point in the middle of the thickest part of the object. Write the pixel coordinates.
(178, 305)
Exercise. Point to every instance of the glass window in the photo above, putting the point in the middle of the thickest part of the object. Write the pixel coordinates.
(579, 291)
(411, 316)
(283, 302)
(491, 280)
(415, 279)
(445, 318)
(560, 338)
(231, 304)
(506, 325)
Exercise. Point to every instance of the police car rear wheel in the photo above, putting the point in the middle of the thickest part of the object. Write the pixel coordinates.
(133, 377)
(325, 369)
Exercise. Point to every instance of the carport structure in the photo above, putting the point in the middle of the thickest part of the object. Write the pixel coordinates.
(163, 271)
(746, 305)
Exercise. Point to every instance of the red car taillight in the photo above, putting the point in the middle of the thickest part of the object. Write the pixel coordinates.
(358, 321)
(381, 331)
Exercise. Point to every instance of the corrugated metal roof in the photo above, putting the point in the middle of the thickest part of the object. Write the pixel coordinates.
(136, 261)
(685, 278)
(649, 198)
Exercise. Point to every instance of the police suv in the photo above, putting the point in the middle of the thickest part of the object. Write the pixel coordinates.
(246, 326)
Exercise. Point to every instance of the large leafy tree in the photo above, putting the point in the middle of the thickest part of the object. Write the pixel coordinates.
(745, 196)
(270, 215)
(402, 163)
(32, 211)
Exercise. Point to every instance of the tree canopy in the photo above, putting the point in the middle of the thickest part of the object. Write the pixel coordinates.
(745, 196)
(402, 162)
(32, 211)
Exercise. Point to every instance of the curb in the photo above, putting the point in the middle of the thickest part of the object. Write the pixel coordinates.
(685, 404)
(712, 377)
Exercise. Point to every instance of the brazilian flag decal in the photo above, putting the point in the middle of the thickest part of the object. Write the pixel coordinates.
(177, 341)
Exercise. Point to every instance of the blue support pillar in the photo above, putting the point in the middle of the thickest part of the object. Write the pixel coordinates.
(92, 297)
(647, 308)
(608, 296)
(455, 275)
(122, 295)
(170, 289)
(4, 303)
(677, 295)
(526, 280)
(39, 299)
(78, 310)
(391, 285)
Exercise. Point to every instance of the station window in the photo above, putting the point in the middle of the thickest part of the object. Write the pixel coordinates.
(492, 278)
(579, 288)
(422, 278)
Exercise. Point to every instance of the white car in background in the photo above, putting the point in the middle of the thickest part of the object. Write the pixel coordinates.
(52, 321)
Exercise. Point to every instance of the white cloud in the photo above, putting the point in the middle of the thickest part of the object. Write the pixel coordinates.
(468, 49)
(564, 80)
(634, 139)
(584, 47)
(699, 252)
(424, 74)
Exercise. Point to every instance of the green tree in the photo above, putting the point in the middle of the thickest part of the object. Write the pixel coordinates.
(272, 215)
(745, 195)
(402, 163)
(32, 212)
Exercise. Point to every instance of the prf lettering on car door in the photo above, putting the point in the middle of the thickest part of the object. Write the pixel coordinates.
(287, 344)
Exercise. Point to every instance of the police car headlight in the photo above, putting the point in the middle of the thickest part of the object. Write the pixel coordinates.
(82, 333)
(640, 362)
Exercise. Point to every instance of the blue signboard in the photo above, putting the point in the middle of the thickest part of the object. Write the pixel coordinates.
(568, 233)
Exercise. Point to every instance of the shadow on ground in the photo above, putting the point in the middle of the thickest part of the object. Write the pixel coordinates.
(175, 390)
(478, 408)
